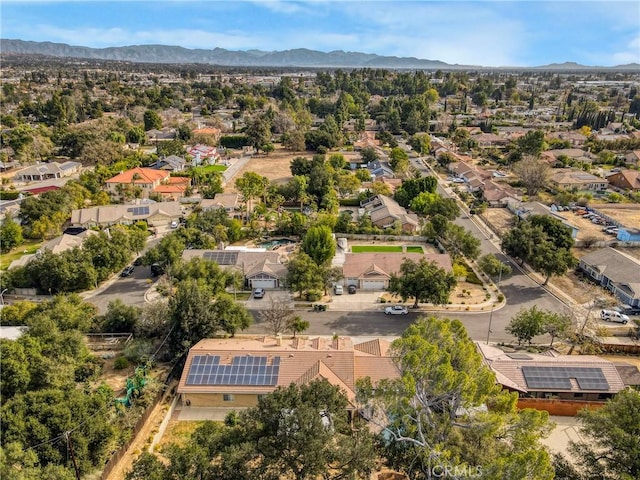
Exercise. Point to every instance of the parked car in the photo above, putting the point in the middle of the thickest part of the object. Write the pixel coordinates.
(137, 262)
(175, 224)
(127, 271)
(156, 269)
(396, 310)
(338, 290)
(613, 316)
(258, 293)
(351, 289)
(632, 311)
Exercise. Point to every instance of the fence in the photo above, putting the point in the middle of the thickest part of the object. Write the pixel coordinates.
(122, 451)
(605, 243)
(563, 408)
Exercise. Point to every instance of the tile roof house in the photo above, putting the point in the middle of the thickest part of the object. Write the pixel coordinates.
(616, 271)
(203, 154)
(625, 180)
(261, 269)
(154, 213)
(385, 212)
(236, 372)
(45, 171)
(147, 180)
(372, 271)
(568, 178)
(496, 194)
(577, 380)
(57, 245)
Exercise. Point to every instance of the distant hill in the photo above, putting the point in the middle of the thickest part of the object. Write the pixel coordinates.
(300, 57)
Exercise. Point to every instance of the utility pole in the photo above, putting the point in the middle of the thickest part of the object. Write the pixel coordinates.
(73, 456)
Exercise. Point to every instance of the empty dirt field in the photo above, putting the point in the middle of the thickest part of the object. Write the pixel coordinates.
(276, 166)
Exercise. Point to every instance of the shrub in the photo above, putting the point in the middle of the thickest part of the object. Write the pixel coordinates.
(500, 297)
(314, 295)
(231, 419)
(120, 363)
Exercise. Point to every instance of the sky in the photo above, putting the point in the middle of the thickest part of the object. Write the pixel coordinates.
(481, 32)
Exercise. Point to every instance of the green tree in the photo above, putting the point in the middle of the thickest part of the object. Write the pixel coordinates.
(369, 154)
(609, 448)
(430, 204)
(460, 241)
(120, 317)
(302, 274)
(441, 375)
(10, 234)
(556, 325)
(399, 160)
(527, 323)
(424, 281)
(297, 325)
(231, 315)
(251, 185)
(152, 120)
(191, 315)
(319, 244)
(493, 267)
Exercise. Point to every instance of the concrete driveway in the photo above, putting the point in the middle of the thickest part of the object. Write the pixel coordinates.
(361, 300)
(265, 302)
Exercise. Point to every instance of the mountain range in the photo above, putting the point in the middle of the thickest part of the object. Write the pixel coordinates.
(300, 57)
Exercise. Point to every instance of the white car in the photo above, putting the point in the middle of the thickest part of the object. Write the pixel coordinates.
(396, 310)
(613, 316)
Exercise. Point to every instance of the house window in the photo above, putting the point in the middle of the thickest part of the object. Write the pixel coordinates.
(228, 397)
(578, 395)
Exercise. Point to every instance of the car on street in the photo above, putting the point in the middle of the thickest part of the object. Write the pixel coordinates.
(127, 271)
(396, 310)
(258, 293)
(613, 316)
(351, 289)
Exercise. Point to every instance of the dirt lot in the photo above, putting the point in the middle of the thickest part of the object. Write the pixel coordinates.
(499, 219)
(276, 166)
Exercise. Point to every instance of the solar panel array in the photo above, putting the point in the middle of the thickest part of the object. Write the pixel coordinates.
(559, 378)
(222, 257)
(243, 370)
(139, 210)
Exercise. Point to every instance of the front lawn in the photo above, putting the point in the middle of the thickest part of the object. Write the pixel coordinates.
(385, 249)
(211, 168)
(28, 247)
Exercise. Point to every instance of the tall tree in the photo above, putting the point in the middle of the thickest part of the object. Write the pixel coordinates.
(424, 281)
(251, 185)
(430, 419)
(231, 315)
(10, 234)
(533, 172)
(302, 274)
(319, 244)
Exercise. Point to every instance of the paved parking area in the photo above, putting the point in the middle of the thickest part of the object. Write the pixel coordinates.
(262, 303)
(566, 430)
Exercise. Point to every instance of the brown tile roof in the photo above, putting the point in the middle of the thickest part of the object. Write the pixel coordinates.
(508, 369)
(145, 175)
(337, 360)
(358, 264)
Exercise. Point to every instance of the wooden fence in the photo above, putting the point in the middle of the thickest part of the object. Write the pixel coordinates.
(563, 408)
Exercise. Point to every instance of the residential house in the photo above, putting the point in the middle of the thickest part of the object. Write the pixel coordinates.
(633, 158)
(46, 171)
(172, 163)
(524, 210)
(625, 180)
(141, 182)
(574, 154)
(260, 269)
(237, 372)
(372, 271)
(154, 213)
(385, 212)
(57, 245)
(576, 139)
(559, 384)
(569, 179)
(164, 135)
(229, 201)
(203, 154)
(616, 271)
(488, 140)
(380, 170)
(496, 194)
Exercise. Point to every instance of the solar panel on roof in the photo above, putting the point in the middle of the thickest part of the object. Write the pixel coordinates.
(222, 257)
(559, 378)
(139, 210)
(243, 370)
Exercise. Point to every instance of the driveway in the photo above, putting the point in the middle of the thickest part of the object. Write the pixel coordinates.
(265, 302)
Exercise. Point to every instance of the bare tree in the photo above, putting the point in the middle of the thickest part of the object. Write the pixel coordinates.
(533, 172)
(278, 316)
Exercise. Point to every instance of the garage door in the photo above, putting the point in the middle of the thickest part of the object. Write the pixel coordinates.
(373, 284)
(271, 283)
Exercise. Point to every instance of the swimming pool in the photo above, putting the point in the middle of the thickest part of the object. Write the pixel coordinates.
(271, 244)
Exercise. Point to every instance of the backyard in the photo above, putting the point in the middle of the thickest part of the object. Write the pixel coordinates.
(28, 247)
